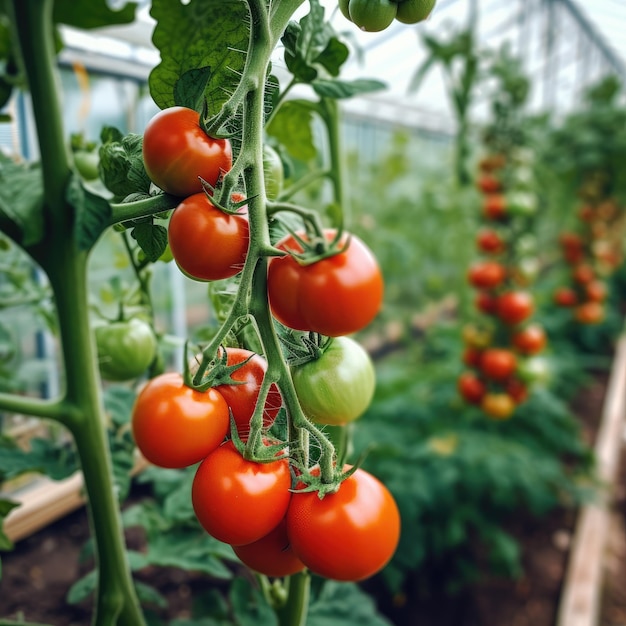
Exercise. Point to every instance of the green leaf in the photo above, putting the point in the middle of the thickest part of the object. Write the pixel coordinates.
(344, 604)
(152, 239)
(45, 456)
(82, 588)
(250, 606)
(334, 55)
(292, 126)
(92, 13)
(149, 595)
(339, 89)
(211, 34)
(118, 402)
(21, 200)
(123, 461)
(121, 163)
(6, 506)
(190, 87)
(93, 213)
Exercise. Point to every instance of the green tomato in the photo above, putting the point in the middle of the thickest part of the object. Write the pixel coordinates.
(343, 7)
(272, 172)
(337, 387)
(414, 11)
(87, 164)
(535, 370)
(372, 15)
(125, 349)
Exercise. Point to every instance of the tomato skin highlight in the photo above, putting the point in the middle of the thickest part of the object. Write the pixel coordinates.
(176, 151)
(125, 349)
(514, 307)
(239, 501)
(175, 426)
(242, 399)
(206, 243)
(271, 555)
(338, 387)
(348, 535)
(336, 296)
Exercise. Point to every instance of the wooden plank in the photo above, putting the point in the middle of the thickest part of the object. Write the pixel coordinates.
(580, 600)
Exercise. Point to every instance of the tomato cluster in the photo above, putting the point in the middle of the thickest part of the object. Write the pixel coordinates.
(592, 252)
(376, 15)
(496, 349)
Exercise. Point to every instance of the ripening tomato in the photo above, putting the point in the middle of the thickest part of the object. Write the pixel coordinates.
(498, 363)
(239, 501)
(583, 273)
(486, 302)
(596, 290)
(499, 406)
(242, 396)
(176, 426)
(514, 307)
(206, 243)
(488, 183)
(494, 206)
(517, 390)
(471, 356)
(336, 296)
(476, 337)
(569, 240)
(337, 387)
(271, 555)
(486, 274)
(530, 340)
(565, 296)
(471, 387)
(492, 162)
(348, 535)
(489, 241)
(589, 312)
(586, 213)
(176, 152)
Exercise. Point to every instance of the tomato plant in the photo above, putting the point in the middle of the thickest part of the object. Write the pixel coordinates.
(177, 152)
(486, 274)
(176, 426)
(337, 387)
(347, 535)
(334, 296)
(530, 340)
(471, 387)
(125, 348)
(227, 489)
(514, 307)
(207, 243)
(498, 363)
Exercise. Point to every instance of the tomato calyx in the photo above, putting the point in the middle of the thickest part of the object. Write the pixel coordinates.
(235, 204)
(303, 347)
(313, 480)
(317, 247)
(213, 370)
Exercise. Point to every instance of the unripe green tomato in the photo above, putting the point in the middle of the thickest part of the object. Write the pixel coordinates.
(87, 164)
(522, 203)
(343, 7)
(372, 15)
(125, 349)
(338, 387)
(414, 11)
(273, 173)
(535, 370)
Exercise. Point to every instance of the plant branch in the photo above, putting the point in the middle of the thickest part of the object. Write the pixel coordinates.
(142, 208)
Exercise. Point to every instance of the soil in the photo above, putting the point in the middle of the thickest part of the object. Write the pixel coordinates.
(37, 575)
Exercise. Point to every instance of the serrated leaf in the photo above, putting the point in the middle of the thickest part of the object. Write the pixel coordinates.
(93, 213)
(58, 461)
(92, 13)
(211, 34)
(250, 606)
(152, 239)
(21, 199)
(292, 126)
(339, 89)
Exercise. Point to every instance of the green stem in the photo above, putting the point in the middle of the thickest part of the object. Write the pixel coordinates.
(329, 110)
(143, 208)
(294, 612)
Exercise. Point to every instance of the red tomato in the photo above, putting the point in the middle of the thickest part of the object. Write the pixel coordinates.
(490, 242)
(488, 183)
(486, 302)
(239, 501)
(570, 240)
(583, 273)
(176, 151)
(335, 296)
(242, 398)
(176, 426)
(271, 555)
(471, 356)
(471, 387)
(486, 274)
(499, 406)
(514, 307)
(347, 535)
(494, 206)
(589, 313)
(530, 340)
(498, 363)
(565, 296)
(206, 243)
(596, 290)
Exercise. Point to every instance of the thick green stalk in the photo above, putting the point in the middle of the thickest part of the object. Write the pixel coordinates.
(295, 610)
(66, 267)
